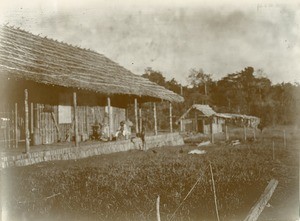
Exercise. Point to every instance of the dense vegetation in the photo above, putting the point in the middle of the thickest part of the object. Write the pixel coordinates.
(247, 92)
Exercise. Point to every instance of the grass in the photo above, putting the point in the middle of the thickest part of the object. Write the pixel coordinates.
(124, 186)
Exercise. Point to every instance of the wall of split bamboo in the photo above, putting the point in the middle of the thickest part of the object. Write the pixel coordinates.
(87, 116)
(44, 125)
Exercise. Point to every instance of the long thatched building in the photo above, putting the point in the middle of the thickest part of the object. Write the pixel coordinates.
(52, 91)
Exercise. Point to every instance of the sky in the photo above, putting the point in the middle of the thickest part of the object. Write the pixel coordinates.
(219, 37)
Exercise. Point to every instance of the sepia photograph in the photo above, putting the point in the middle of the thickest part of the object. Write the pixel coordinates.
(135, 110)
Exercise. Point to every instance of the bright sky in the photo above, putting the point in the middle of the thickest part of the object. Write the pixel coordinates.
(173, 37)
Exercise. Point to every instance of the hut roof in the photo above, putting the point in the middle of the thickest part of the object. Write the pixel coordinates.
(42, 60)
(206, 110)
(238, 116)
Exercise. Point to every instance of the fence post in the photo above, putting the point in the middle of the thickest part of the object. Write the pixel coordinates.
(245, 133)
(284, 139)
(273, 156)
(226, 133)
(181, 125)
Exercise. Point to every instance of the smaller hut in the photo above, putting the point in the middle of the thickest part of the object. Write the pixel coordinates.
(200, 118)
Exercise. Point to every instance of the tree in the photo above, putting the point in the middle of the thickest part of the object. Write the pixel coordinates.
(201, 82)
(154, 76)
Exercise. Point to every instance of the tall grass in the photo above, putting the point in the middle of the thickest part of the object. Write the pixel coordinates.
(124, 186)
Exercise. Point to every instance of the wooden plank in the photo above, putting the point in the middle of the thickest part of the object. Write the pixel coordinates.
(27, 134)
(155, 118)
(16, 125)
(262, 202)
(75, 119)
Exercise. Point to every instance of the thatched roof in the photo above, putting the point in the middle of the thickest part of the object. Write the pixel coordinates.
(205, 110)
(42, 60)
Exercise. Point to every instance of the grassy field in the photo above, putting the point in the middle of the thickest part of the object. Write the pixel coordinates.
(124, 186)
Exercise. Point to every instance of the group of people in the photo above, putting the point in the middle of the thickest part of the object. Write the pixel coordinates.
(101, 132)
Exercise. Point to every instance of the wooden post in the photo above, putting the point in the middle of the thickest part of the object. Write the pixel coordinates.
(214, 189)
(212, 139)
(284, 139)
(140, 117)
(136, 116)
(262, 202)
(75, 119)
(254, 133)
(126, 112)
(31, 117)
(171, 118)
(273, 155)
(87, 125)
(56, 126)
(157, 209)
(27, 133)
(226, 133)
(47, 127)
(181, 125)
(82, 120)
(38, 118)
(155, 119)
(8, 133)
(109, 117)
(16, 125)
(245, 133)
(196, 121)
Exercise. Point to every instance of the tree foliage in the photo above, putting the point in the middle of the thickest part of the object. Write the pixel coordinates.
(245, 92)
